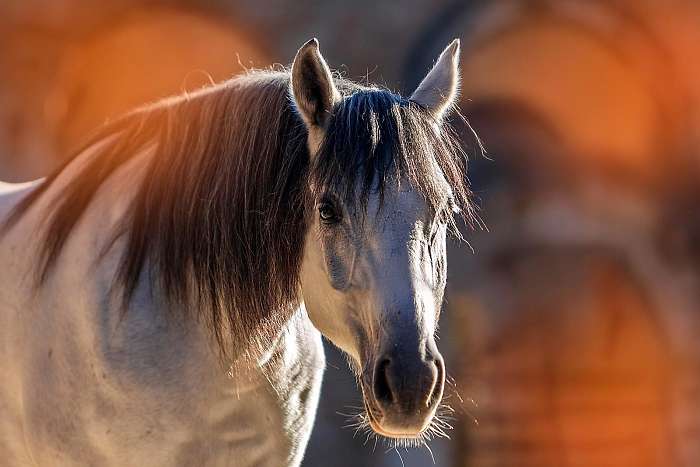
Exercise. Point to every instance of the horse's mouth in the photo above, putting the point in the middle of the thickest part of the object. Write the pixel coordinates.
(373, 417)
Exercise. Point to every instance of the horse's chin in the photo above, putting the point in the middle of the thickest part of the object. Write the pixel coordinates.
(389, 434)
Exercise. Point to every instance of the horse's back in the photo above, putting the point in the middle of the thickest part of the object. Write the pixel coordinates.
(13, 193)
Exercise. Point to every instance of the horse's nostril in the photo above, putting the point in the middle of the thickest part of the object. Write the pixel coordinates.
(382, 387)
(438, 382)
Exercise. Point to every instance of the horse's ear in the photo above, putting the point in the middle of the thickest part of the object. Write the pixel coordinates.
(312, 84)
(439, 89)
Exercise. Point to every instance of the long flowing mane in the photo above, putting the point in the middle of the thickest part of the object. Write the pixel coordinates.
(219, 220)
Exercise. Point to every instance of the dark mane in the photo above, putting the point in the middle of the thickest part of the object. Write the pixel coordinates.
(220, 215)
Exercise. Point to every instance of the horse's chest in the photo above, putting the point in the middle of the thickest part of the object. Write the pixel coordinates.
(173, 407)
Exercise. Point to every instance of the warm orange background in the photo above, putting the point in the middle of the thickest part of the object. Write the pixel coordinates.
(572, 332)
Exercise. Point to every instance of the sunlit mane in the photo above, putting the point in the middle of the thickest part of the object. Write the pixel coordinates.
(219, 220)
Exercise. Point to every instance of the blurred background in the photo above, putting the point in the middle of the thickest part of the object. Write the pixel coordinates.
(572, 330)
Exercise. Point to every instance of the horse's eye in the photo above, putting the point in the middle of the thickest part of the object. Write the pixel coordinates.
(327, 213)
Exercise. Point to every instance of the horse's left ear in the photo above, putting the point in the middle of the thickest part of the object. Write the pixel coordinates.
(312, 84)
(439, 89)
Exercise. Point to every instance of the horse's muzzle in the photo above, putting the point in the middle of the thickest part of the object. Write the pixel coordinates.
(405, 391)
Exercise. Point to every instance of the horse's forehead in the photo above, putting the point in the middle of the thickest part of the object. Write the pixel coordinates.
(402, 202)
(402, 206)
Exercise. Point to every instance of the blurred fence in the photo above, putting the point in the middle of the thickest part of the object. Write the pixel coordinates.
(573, 331)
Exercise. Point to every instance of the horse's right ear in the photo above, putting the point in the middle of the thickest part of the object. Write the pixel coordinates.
(313, 90)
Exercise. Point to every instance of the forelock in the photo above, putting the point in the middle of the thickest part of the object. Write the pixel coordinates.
(377, 140)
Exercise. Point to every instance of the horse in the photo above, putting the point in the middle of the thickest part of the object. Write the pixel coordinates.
(165, 291)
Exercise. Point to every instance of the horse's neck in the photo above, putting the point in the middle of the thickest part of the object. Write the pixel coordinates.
(82, 263)
(83, 253)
